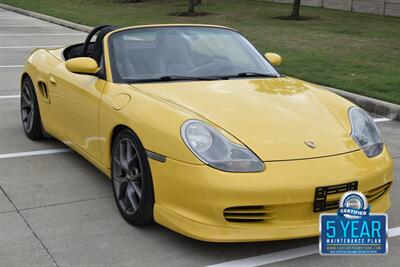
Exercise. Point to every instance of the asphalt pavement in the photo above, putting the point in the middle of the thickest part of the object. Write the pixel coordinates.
(56, 209)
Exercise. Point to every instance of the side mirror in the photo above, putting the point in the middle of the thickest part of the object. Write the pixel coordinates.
(275, 59)
(82, 65)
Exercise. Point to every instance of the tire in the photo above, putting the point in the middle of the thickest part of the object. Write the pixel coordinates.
(131, 179)
(30, 114)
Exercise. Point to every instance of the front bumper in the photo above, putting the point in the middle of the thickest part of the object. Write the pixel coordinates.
(191, 199)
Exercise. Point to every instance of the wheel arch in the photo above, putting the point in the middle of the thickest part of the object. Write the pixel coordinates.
(23, 75)
(114, 133)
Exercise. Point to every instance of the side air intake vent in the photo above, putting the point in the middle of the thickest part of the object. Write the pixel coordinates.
(43, 91)
(373, 194)
(249, 214)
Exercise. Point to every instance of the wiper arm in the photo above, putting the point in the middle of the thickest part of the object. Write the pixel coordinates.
(251, 74)
(178, 78)
(196, 78)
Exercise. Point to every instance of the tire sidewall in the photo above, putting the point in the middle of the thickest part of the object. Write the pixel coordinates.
(36, 131)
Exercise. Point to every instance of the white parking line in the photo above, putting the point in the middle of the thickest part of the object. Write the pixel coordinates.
(34, 153)
(12, 66)
(382, 120)
(41, 34)
(394, 232)
(283, 255)
(271, 257)
(30, 46)
(9, 96)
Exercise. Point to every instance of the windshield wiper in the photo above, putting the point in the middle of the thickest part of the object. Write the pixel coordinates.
(170, 78)
(178, 78)
(251, 74)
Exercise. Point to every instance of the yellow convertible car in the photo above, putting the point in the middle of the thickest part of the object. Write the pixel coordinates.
(199, 132)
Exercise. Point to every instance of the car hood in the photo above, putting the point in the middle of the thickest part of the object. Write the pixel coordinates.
(273, 117)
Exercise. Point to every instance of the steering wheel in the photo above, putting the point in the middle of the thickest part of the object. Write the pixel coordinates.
(213, 59)
(89, 38)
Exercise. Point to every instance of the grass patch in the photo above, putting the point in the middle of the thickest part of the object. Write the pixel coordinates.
(356, 52)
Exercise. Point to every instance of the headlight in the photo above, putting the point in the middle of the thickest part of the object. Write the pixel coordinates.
(215, 150)
(365, 132)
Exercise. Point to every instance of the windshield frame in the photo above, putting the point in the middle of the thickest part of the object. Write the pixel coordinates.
(115, 77)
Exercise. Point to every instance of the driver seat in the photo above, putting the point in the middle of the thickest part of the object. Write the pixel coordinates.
(174, 51)
(98, 45)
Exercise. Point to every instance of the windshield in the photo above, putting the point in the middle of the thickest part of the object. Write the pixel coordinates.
(165, 53)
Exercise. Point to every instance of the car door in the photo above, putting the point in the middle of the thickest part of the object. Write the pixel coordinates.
(75, 101)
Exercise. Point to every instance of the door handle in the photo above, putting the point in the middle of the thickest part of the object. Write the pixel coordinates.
(53, 80)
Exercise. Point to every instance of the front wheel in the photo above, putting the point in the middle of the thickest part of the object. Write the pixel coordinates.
(131, 179)
(30, 115)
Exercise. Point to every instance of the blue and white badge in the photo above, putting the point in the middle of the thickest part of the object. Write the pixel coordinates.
(353, 205)
(353, 230)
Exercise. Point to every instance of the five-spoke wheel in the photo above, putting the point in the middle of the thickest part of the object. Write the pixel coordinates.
(131, 179)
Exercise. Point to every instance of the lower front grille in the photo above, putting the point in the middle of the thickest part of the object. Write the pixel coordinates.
(371, 195)
(249, 214)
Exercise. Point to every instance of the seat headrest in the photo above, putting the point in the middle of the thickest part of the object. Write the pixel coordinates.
(98, 45)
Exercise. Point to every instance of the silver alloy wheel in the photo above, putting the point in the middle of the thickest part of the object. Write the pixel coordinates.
(127, 176)
(27, 106)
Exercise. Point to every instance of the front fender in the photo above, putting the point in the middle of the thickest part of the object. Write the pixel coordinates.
(156, 123)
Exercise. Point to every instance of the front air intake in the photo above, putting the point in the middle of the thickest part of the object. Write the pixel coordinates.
(375, 193)
(249, 214)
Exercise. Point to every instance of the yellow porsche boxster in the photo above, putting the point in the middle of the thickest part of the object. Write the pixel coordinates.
(200, 133)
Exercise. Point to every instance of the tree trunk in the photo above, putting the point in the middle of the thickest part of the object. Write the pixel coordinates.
(191, 5)
(296, 8)
(198, 2)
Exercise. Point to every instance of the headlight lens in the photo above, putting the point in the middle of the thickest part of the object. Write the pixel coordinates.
(215, 150)
(365, 132)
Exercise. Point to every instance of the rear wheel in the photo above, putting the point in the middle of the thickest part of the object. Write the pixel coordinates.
(30, 115)
(131, 179)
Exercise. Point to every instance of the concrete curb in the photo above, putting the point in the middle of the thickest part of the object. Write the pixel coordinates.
(373, 105)
(376, 106)
(51, 19)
